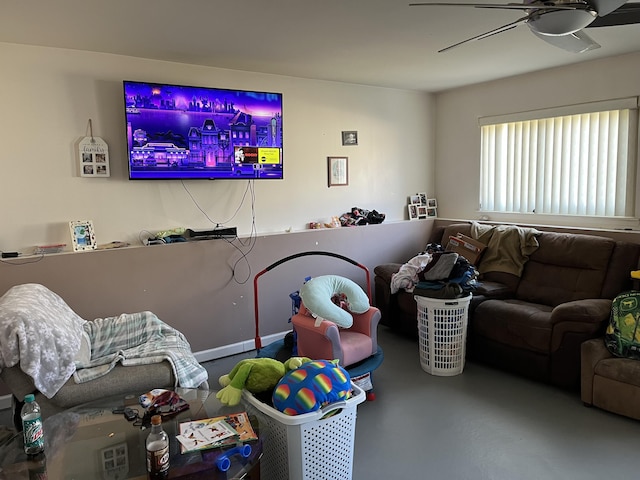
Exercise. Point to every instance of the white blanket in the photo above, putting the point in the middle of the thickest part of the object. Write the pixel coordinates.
(39, 331)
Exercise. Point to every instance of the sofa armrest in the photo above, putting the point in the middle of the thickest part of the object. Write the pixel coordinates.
(322, 341)
(386, 271)
(367, 322)
(582, 317)
(593, 311)
(591, 353)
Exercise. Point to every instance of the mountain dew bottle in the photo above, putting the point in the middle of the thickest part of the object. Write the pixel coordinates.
(32, 426)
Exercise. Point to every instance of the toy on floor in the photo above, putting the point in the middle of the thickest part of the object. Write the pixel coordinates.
(256, 375)
(311, 386)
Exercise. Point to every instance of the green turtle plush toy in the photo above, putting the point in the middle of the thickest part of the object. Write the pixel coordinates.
(255, 375)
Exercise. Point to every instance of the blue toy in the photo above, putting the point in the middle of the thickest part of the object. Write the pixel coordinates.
(310, 387)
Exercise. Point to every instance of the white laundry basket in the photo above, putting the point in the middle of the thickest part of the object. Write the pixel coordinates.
(311, 446)
(442, 328)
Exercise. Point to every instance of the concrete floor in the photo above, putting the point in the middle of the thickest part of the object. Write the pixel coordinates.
(481, 425)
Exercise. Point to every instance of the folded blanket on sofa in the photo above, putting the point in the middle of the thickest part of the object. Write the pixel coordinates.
(137, 339)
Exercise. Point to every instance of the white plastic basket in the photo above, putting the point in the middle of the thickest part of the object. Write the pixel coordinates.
(442, 328)
(312, 446)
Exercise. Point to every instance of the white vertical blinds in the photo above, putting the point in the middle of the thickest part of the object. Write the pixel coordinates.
(575, 164)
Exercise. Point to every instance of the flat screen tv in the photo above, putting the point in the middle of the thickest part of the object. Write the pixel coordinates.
(185, 132)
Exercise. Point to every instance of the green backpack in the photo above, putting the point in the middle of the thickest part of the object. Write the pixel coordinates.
(622, 337)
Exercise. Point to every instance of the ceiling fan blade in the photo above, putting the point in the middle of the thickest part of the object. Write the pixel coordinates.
(505, 6)
(605, 7)
(495, 31)
(625, 15)
(577, 42)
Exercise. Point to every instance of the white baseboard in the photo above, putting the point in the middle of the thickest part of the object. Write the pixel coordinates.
(202, 356)
(235, 348)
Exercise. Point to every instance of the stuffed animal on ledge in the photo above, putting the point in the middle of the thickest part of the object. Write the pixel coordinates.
(255, 375)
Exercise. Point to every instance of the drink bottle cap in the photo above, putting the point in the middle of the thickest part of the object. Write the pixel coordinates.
(29, 398)
(156, 420)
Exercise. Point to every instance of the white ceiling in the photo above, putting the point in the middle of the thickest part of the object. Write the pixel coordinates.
(370, 42)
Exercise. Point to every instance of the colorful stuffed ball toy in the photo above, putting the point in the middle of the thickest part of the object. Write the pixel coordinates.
(311, 386)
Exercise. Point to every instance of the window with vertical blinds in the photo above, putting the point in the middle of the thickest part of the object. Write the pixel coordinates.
(572, 164)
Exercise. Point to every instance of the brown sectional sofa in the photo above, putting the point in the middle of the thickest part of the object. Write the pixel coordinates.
(532, 324)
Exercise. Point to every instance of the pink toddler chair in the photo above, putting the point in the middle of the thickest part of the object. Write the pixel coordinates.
(328, 341)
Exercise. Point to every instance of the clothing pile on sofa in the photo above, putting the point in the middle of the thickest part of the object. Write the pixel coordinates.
(436, 273)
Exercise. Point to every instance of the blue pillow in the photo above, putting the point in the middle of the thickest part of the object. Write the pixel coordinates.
(317, 295)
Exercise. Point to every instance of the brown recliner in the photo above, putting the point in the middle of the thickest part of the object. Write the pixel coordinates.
(609, 382)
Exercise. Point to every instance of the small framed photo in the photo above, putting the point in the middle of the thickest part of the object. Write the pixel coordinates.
(432, 203)
(338, 171)
(414, 199)
(432, 212)
(413, 211)
(423, 198)
(83, 236)
(422, 211)
(349, 137)
(93, 154)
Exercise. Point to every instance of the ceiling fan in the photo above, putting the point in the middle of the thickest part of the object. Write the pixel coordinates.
(558, 22)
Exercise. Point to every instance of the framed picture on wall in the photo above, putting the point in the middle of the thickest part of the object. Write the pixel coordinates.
(338, 171)
(350, 138)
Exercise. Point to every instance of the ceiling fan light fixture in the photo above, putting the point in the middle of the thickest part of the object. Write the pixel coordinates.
(560, 22)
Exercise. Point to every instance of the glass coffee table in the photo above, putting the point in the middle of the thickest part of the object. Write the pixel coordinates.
(91, 442)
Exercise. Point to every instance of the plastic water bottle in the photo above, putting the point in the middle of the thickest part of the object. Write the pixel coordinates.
(32, 426)
(157, 450)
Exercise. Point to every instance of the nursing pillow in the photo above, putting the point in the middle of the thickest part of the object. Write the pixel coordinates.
(318, 293)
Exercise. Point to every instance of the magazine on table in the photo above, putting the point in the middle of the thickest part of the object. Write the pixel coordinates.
(215, 432)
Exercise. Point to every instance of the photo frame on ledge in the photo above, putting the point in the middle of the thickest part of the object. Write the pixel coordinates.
(413, 211)
(338, 171)
(83, 235)
(422, 211)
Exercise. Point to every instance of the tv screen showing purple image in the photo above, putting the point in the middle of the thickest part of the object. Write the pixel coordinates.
(186, 132)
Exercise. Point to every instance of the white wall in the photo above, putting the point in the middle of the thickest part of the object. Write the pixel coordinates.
(458, 135)
(47, 97)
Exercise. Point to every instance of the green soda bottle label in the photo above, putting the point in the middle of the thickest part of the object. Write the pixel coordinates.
(33, 433)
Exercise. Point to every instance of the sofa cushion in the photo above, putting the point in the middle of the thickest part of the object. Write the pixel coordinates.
(565, 267)
(515, 323)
